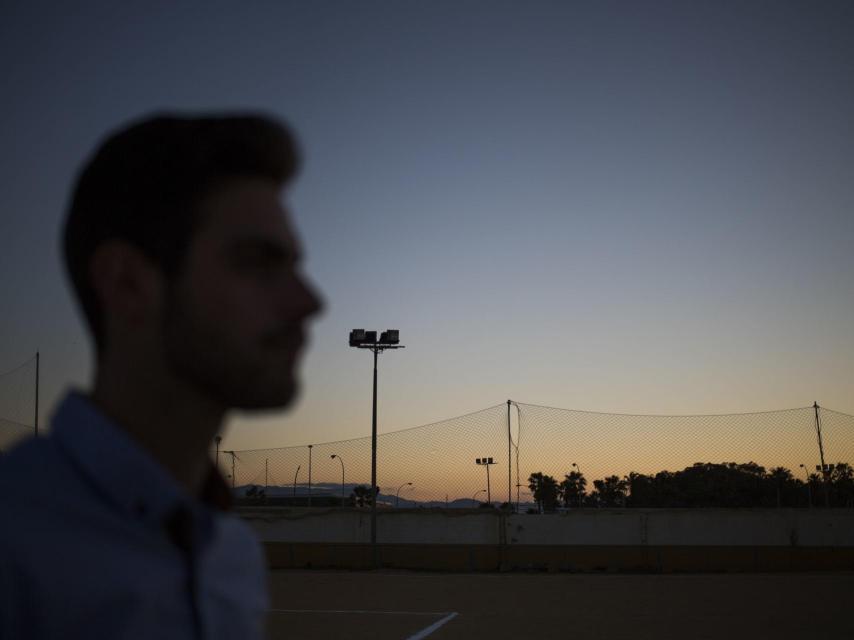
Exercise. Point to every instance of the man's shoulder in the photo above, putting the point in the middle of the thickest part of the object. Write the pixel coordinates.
(32, 468)
(39, 490)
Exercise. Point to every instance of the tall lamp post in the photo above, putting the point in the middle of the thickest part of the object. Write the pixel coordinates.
(577, 468)
(397, 497)
(361, 339)
(809, 488)
(296, 473)
(333, 457)
(486, 462)
(476, 494)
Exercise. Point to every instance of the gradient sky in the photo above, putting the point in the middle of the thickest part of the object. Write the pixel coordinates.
(641, 207)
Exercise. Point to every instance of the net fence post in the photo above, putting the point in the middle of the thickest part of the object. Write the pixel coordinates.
(509, 459)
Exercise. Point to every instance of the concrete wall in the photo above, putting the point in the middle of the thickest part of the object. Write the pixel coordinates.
(831, 528)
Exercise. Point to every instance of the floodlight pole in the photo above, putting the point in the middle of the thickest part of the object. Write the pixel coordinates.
(486, 462)
(361, 339)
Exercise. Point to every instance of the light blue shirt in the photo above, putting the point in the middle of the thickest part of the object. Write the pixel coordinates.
(97, 540)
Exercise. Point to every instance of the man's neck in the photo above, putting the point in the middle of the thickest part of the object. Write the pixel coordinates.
(174, 424)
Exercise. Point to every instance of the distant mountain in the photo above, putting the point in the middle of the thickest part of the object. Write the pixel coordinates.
(332, 490)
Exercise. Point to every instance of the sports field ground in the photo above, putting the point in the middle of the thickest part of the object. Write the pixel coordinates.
(439, 606)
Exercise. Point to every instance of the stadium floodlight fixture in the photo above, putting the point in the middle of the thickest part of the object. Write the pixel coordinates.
(388, 339)
(390, 336)
(362, 339)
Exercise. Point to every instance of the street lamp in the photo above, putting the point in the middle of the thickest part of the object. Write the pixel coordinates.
(575, 464)
(809, 488)
(397, 497)
(333, 457)
(361, 339)
(474, 497)
(233, 470)
(486, 462)
(295, 483)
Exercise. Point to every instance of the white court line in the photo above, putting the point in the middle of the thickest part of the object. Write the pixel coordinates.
(385, 613)
(426, 632)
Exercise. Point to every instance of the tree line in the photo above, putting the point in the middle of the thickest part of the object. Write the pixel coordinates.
(703, 484)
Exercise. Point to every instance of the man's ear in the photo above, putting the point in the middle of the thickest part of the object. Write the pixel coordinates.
(127, 283)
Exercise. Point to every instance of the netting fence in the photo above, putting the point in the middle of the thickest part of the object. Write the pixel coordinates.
(540, 458)
(17, 404)
(544, 459)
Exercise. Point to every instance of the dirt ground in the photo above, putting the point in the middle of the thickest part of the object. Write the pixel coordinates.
(401, 605)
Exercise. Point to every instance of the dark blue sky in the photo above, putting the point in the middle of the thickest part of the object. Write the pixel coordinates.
(618, 206)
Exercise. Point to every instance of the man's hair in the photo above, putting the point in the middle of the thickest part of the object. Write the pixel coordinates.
(144, 183)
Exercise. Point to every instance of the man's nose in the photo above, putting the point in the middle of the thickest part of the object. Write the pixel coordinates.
(312, 301)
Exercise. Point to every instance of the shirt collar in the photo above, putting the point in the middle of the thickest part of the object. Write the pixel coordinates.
(120, 470)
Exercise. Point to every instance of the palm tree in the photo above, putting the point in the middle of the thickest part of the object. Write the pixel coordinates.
(361, 496)
(612, 491)
(573, 489)
(545, 491)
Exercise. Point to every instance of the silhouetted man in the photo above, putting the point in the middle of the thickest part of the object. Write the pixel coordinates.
(187, 271)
